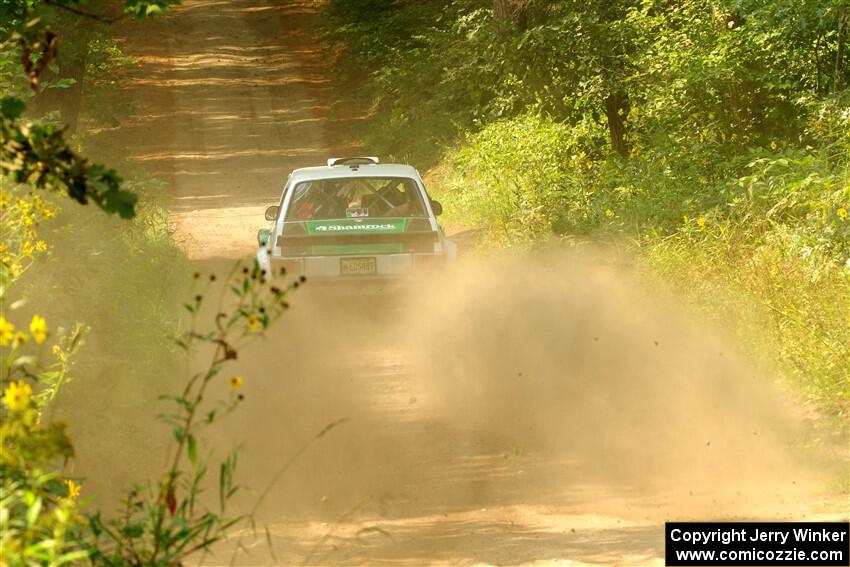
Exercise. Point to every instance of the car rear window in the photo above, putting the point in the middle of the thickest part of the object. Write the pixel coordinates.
(355, 197)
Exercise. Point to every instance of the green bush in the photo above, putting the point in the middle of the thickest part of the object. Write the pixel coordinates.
(760, 243)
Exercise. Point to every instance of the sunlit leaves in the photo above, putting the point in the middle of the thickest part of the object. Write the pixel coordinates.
(142, 8)
(37, 154)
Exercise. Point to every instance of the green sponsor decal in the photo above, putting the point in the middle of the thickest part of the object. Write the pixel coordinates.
(342, 249)
(356, 226)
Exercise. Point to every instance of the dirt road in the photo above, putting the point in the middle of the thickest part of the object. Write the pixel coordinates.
(231, 95)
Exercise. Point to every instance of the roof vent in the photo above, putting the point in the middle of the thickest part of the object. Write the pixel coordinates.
(365, 160)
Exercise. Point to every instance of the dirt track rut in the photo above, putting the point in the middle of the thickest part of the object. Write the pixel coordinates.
(231, 98)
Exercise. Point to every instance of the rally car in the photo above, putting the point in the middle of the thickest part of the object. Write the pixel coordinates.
(354, 220)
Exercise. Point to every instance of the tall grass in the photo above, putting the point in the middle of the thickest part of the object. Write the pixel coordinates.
(760, 243)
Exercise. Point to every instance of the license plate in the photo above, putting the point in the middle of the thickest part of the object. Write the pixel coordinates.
(357, 266)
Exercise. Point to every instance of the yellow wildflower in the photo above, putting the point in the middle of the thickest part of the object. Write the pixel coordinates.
(41, 246)
(253, 324)
(609, 213)
(701, 222)
(27, 248)
(73, 489)
(842, 213)
(17, 396)
(774, 146)
(7, 331)
(19, 339)
(38, 328)
(236, 381)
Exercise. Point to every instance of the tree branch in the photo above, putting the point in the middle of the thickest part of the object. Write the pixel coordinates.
(81, 13)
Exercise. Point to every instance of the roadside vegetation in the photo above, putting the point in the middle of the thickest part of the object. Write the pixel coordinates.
(93, 301)
(711, 137)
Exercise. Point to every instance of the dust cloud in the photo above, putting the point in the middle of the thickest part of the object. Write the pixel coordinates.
(547, 379)
(570, 353)
(482, 414)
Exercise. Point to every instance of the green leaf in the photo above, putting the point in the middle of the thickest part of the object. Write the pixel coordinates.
(60, 84)
(33, 511)
(133, 530)
(73, 557)
(11, 107)
(192, 449)
(183, 402)
(119, 201)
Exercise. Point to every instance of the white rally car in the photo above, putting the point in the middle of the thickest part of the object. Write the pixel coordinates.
(354, 220)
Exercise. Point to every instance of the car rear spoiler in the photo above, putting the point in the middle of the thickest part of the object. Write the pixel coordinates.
(362, 160)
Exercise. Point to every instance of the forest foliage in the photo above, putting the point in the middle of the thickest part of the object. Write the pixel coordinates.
(712, 136)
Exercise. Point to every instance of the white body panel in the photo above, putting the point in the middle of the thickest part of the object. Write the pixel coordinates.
(328, 267)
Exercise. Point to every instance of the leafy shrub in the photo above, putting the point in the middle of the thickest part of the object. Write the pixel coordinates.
(515, 176)
(41, 518)
(762, 240)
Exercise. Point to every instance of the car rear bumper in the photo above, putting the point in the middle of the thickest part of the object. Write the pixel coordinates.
(348, 287)
(333, 268)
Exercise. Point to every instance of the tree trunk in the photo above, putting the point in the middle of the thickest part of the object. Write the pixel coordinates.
(75, 32)
(839, 50)
(503, 9)
(67, 101)
(819, 75)
(616, 110)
